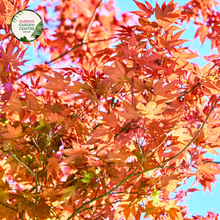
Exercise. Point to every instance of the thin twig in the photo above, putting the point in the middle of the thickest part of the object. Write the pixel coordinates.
(199, 84)
(90, 23)
(67, 51)
(7, 206)
(136, 140)
(123, 129)
(20, 161)
(76, 116)
(197, 134)
(105, 194)
(81, 208)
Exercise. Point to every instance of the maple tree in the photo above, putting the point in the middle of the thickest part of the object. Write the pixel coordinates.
(112, 135)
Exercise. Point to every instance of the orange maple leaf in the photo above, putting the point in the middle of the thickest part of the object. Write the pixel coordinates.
(74, 155)
(166, 14)
(202, 31)
(208, 170)
(108, 119)
(148, 10)
(12, 132)
(14, 103)
(53, 164)
(117, 73)
(56, 84)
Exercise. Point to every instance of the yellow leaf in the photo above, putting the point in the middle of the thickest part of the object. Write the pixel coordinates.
(3, 196)
(148, 109)
(211, 150)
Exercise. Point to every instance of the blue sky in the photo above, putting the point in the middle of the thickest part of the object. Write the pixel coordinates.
(198, 202)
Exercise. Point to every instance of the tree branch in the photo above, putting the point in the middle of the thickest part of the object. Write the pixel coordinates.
(125, 128)
(9, 207)
(81, 208)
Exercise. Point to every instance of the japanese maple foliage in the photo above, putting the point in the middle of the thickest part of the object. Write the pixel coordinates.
(112, 135)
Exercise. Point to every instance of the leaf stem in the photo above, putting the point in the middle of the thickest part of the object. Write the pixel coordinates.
(123, 129)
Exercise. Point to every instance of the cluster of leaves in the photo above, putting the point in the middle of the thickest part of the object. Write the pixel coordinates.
(112, 141)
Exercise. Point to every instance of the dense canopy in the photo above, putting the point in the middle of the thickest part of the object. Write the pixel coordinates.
(117, 131)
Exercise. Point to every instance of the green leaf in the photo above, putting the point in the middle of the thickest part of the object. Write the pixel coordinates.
(155, 196)
(41, 125)
(148, 211)
(87, 178)
(38, 30)
(24, 39)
